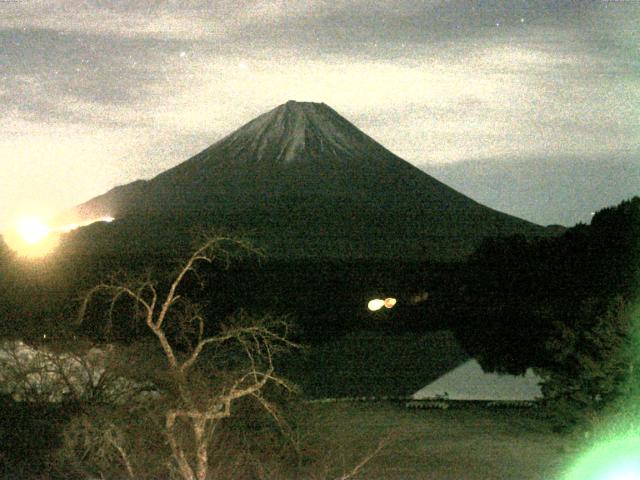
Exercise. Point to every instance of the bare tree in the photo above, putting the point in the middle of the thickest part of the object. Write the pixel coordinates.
(195, 403)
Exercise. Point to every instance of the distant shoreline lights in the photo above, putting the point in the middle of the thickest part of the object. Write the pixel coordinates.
(377, 303)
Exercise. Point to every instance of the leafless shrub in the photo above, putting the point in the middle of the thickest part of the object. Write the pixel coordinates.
(80, 373)
(195, 403)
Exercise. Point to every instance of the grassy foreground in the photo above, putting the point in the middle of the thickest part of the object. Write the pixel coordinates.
(466, 443)
(470, 443)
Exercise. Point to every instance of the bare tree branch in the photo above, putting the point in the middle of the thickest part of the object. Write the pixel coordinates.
(366, 459)
(257, 339)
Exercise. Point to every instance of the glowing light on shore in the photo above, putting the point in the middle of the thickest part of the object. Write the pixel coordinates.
(377, 303)
(390, 302)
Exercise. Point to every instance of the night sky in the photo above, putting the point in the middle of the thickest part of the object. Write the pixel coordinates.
(531, 107)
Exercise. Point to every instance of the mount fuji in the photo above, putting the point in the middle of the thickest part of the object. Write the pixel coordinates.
(301, 181)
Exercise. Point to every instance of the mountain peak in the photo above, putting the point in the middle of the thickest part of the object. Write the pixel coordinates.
(305, 111)
(310, 183)
(296, 132)
(296, 107)
(296, 103)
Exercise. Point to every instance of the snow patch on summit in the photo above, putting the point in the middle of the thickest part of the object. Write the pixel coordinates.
(298, 131)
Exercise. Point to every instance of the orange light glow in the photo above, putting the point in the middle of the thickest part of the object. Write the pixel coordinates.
(32, 230)
(32, 237)
(72, 226)
(390, 302)
(377, 303)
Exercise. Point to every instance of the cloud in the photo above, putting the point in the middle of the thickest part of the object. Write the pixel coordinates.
(184, 20)
(139, 86)
(196, 19)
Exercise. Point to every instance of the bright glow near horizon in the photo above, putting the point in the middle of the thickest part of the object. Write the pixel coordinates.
(72, 226)
(32, 230)
(32, 237)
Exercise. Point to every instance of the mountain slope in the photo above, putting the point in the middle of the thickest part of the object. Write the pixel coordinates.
(305, 182)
